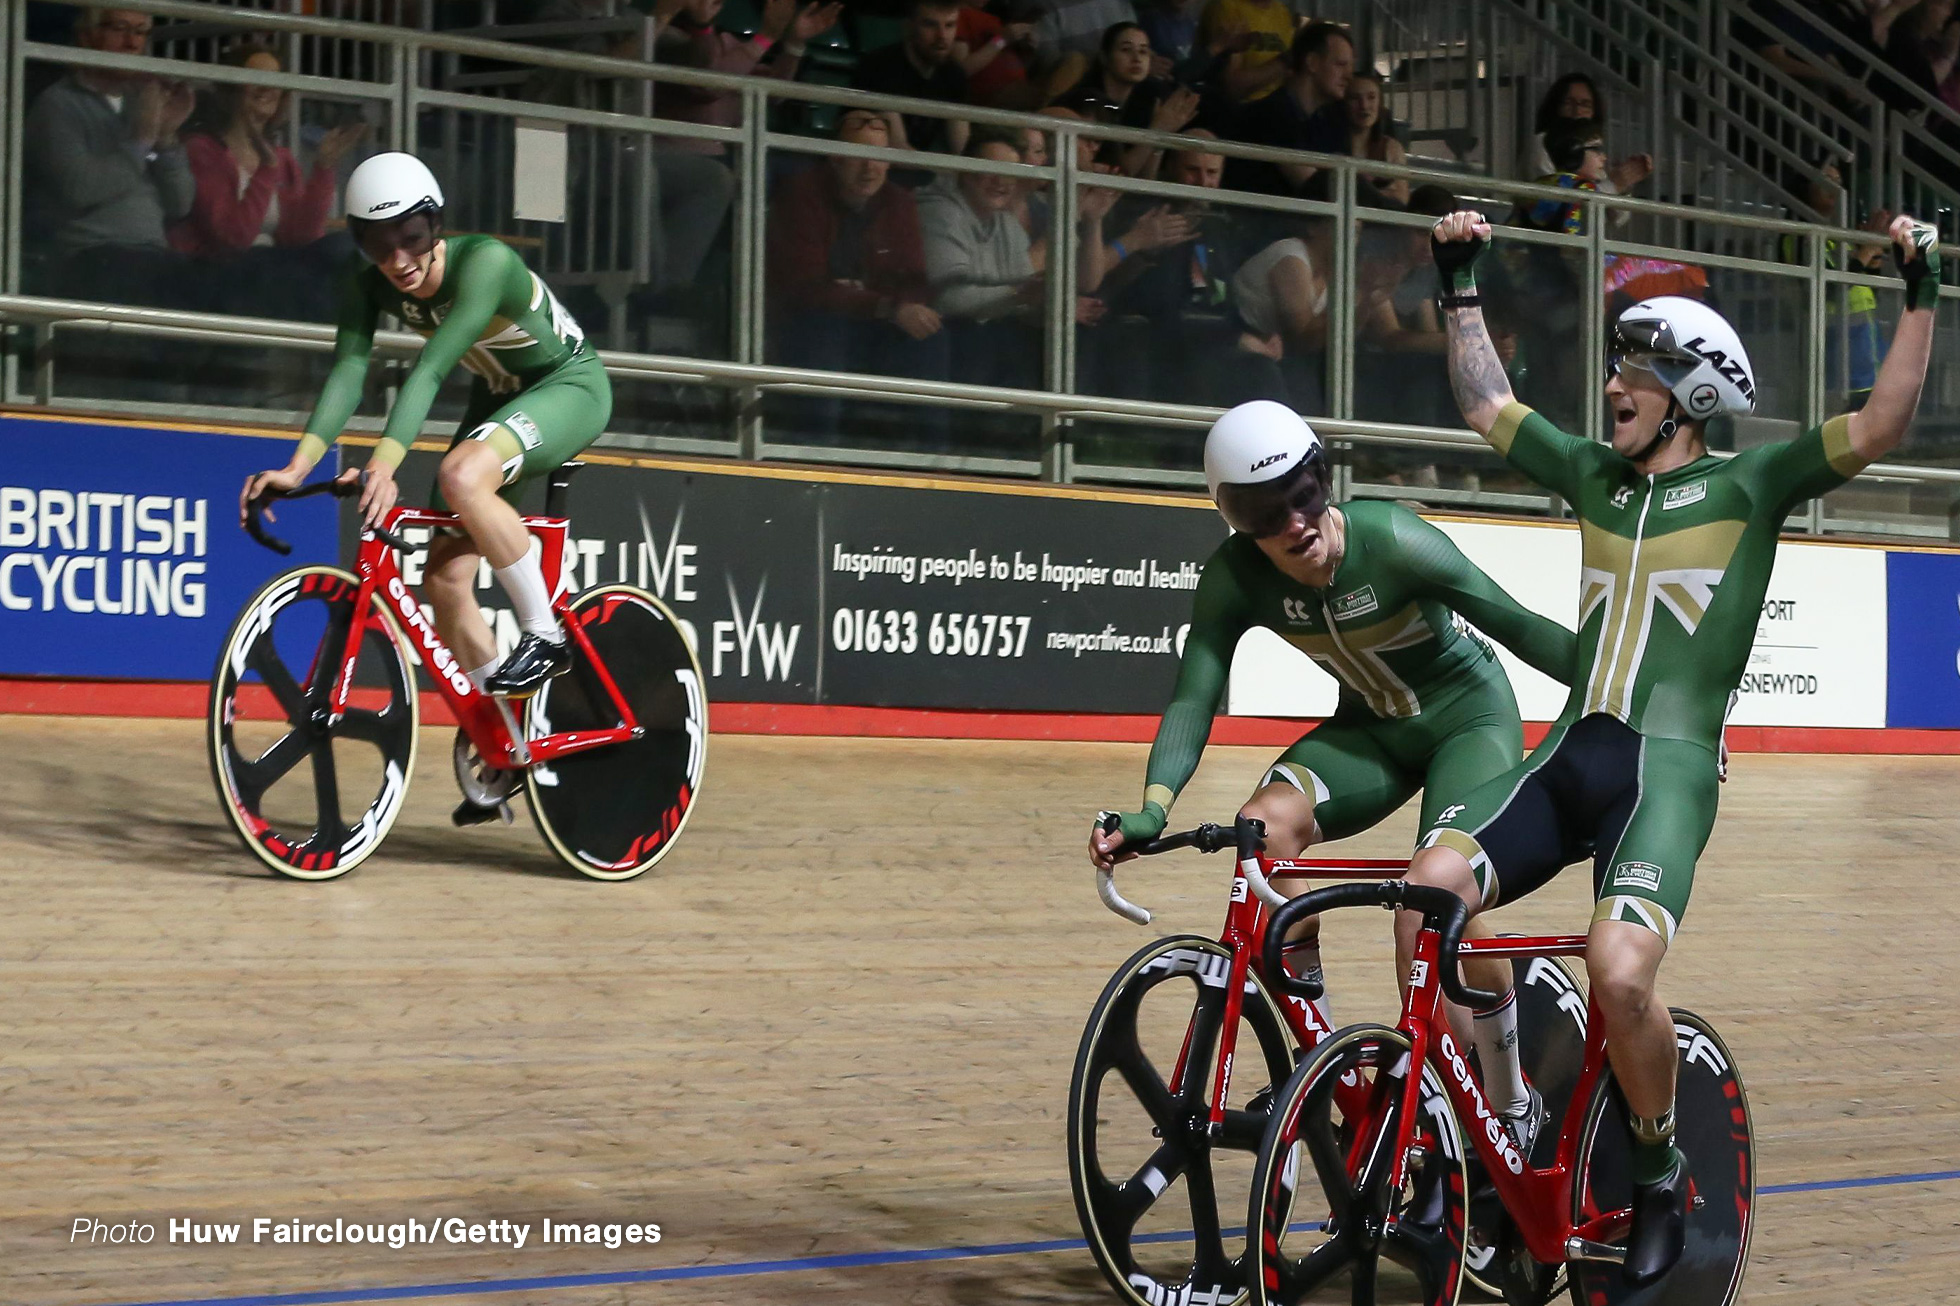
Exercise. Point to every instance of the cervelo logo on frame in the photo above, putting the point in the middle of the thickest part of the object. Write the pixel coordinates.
(1493, 1129)
(439, 660)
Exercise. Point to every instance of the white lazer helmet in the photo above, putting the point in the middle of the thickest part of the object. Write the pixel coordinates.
(1693, 350)
(391, 186)
(1263, 463)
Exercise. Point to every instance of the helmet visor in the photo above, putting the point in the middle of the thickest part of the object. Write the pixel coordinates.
(1267, 508)
(414, 235)
(1649, 345)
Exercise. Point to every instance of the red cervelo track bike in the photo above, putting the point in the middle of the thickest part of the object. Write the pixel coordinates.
(1349, 1127)
(318, 668)
(1159, 1158)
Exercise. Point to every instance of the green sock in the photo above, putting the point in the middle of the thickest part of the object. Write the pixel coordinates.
(1654, 1153)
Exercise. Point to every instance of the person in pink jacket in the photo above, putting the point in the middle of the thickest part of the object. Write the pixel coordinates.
(250, 191)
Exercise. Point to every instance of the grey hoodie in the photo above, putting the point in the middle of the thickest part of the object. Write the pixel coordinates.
(976, 265)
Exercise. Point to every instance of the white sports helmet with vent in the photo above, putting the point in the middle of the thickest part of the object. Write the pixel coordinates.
(390, 186)
(1262, 464)
(1693, 350)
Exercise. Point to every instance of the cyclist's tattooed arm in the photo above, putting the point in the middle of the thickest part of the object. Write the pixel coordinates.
(1879, 427)
(1476, 372)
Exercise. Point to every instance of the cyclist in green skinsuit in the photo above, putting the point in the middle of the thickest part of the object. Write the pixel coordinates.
(540, 396)
(1378, 597)
(1677, 551)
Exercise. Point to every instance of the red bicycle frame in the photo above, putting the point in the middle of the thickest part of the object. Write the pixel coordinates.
(1245, 927)
(486, 718)
(1537, 1199)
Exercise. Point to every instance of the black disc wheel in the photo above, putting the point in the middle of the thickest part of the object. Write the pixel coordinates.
(1552, 1049)
(1327, 1157)
(1159, 1197)
(613, 812)
(1713, 1130)
(311, 797)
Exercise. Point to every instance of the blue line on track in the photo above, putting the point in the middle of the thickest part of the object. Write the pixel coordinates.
(842, 1261)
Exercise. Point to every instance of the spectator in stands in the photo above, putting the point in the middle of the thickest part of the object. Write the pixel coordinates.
(1076, 27)
(1170, 298)
(994, 50)
(103, 173)
(1923, 43)
(1854, 346)
(1177, 55)
(1805, 57)
(1369, 136)
(1256, 36)
(1120, 90)
(1400, 374)
(1578, 155)
(921, 65)
(692, 40)
(1281, 296)
(847, 271)
(984, 282)
(250, 191)
(1308, 113)
(1574, 98)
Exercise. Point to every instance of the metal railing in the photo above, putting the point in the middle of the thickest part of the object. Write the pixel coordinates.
(1783, 307)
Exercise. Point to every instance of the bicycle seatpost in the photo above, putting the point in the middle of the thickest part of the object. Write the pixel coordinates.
(558, 488)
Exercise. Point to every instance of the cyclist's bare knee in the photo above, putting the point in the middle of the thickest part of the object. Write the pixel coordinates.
(1446, 868)
(1288, 815)
(469, 471)
(1622, 963)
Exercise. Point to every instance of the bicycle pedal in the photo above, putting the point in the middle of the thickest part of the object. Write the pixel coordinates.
(468, 813)
(1584, 1249)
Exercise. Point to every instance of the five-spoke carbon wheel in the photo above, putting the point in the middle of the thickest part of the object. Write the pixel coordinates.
(310, 796)
(1714, 1132)
(1157, 1194)
(1328, 1155)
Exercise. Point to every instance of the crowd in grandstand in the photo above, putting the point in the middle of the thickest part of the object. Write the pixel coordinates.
(141, 190)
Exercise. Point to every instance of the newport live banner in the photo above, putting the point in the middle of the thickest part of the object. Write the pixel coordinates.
(825, 588)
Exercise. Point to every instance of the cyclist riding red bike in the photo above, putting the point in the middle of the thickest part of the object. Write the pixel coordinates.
(540, 396)
(1678, 546)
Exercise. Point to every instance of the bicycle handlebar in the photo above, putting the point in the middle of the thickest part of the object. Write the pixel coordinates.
(1245, 835)
(1441, 910)
(338, 488)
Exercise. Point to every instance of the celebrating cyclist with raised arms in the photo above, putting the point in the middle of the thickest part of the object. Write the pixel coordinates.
(540, 396)
(1378, 597)
(1677, 547)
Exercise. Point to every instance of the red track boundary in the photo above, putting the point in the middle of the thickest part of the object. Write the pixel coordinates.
(179, 699)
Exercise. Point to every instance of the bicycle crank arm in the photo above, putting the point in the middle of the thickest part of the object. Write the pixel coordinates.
(520, 749)
(1584, 1249)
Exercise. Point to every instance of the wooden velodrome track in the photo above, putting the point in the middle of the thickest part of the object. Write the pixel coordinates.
(836, 1024)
